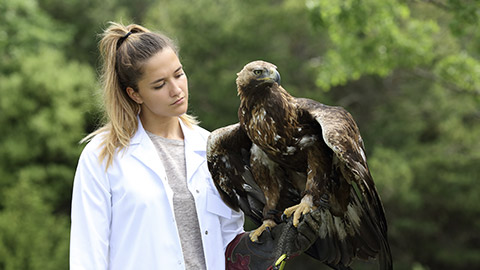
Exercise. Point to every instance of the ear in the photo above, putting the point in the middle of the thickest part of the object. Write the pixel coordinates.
(134, 95)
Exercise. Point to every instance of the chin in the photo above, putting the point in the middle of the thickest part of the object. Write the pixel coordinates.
(182, 112)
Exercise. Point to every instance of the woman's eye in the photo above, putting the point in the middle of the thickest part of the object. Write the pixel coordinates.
(180, 75)
(159, 86)
(257, 72)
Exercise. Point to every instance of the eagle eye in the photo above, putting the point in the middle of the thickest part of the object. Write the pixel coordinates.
(257, 72)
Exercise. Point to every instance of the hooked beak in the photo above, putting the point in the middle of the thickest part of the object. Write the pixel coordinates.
(276, 77)
(271, 75)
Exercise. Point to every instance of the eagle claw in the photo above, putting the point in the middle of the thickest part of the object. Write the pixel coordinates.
(266, 225)
(304, 207)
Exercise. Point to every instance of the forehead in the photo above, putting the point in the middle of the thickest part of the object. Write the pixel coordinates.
(162, 63)
(259, 64)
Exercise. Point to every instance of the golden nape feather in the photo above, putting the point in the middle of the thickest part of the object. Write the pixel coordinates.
(292, 155)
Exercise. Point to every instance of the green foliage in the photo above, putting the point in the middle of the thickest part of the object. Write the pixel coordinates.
(460, 71)
(43, 105)
(376, 37)
(369, 37)
(427, 179)
(30, 236)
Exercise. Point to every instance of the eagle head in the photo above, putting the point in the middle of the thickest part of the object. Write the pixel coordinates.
(257, 73)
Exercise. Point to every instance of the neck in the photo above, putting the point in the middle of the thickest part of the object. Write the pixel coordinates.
(166, 127)
(250, 96)
(273, 95)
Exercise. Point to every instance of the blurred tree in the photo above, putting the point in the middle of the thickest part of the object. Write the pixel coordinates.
(377, 37)
(43, 105)
(87, 18)
(31, 237)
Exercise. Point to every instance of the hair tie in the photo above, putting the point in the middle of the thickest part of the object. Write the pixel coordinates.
(122, 39)
(126, 35)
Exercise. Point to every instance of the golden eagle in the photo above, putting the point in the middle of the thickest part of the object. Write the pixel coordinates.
(291, 155)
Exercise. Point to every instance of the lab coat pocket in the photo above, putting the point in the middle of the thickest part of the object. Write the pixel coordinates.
(216, 206)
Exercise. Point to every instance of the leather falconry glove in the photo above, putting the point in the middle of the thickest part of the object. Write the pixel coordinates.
(274, 246)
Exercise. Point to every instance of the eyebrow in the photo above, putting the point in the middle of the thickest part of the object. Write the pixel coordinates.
(162, 79)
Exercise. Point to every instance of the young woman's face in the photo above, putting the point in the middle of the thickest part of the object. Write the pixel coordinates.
(163, 88)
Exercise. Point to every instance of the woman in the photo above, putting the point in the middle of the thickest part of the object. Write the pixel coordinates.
(143, 197)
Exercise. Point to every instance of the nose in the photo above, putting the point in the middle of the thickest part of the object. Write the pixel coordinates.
(175, 89)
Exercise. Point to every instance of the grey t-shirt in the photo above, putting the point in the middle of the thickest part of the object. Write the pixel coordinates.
(172, 155)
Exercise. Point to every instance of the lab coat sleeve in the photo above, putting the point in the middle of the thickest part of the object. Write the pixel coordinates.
(231, 227)
(91, 214)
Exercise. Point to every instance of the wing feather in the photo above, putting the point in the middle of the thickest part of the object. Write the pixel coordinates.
(228, 155)
(341, 134)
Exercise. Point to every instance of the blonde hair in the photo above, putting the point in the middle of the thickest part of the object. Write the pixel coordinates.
(124, 50)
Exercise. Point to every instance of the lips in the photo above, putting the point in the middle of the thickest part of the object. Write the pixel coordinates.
(178, 101)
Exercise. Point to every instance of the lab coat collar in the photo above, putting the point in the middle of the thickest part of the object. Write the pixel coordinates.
(144, 150)
(195, 150)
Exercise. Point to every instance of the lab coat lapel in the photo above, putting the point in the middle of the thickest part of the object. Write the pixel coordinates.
(144, 151)
(195, 150)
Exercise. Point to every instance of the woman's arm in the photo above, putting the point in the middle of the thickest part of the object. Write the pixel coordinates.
(231, 227)
(91, 215)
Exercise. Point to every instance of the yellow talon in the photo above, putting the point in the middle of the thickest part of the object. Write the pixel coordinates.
(268, 223)
(304, 207)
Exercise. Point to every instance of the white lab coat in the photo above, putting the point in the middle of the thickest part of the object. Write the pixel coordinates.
(123, 218)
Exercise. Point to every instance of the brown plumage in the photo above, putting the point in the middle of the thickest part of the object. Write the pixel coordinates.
(292, 155)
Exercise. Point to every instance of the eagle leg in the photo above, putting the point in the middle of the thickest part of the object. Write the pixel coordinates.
(266, 174)
(269, 216)
(266, 225)
(315, 185)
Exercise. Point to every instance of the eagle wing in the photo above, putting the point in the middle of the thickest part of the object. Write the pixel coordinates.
(362, 230)
(228, 158)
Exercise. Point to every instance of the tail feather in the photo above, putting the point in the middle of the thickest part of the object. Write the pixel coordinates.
(385, 256)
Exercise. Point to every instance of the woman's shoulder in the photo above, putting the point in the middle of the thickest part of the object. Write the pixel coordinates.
(93, 146)
(196, 132)
(95, 141)
(202, 131)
